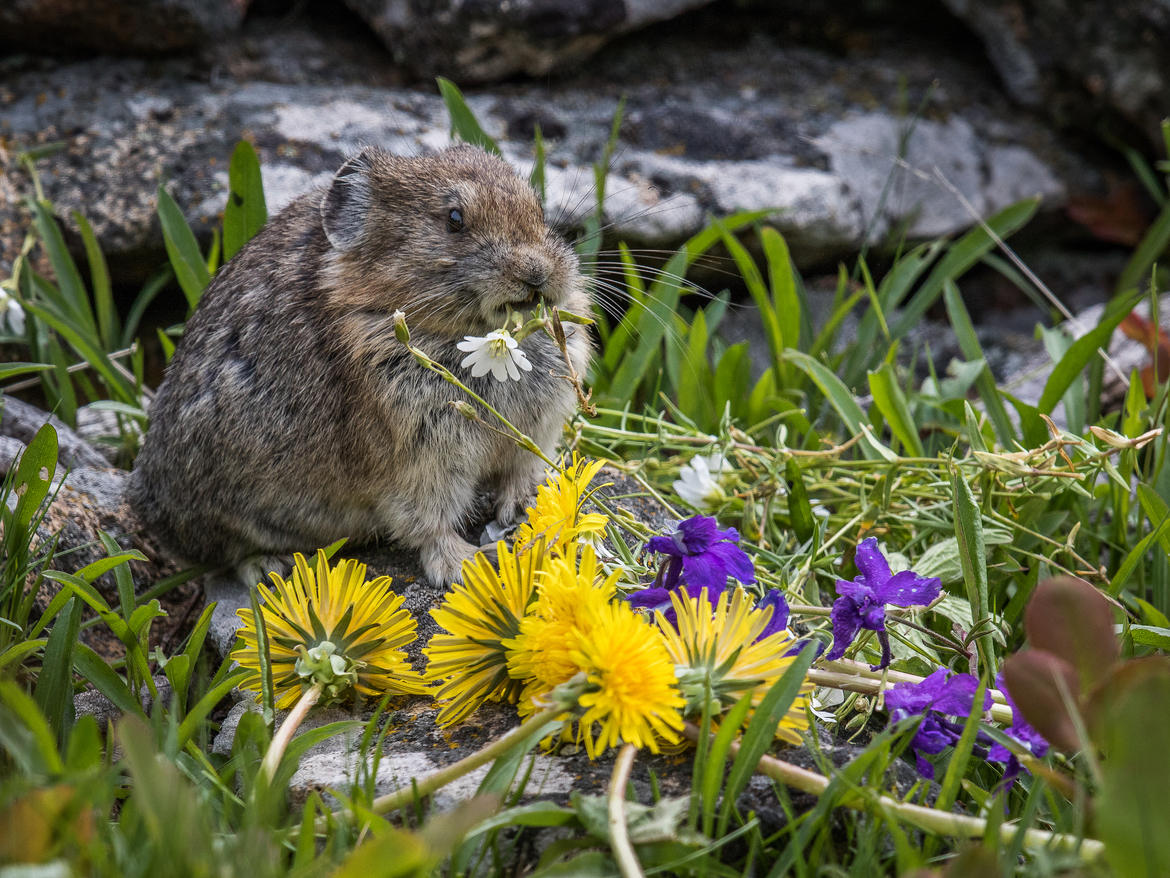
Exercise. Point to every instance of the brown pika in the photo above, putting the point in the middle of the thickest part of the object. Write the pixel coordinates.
(290, 415)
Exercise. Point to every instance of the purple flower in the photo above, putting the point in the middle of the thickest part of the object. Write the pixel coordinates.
(862, 602)
(1021, 732)
(658, 599)
(703, 554)
(780, 612)
(944, 702)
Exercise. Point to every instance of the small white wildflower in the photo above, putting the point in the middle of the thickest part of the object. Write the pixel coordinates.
(11, 312)
(698, 481)
(497, 352)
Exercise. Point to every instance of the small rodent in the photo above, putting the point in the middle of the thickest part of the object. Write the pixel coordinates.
(290, 416)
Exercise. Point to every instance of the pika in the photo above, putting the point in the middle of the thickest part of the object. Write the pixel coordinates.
(290, 416)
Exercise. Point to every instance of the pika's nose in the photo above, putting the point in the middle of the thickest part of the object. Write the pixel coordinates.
(534, 275)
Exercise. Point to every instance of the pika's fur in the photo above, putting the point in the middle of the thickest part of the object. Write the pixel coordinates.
(290, 415)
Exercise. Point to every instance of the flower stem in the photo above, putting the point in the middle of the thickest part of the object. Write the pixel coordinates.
(518, 436)
(927, 819)
(439, 779)
(619, 836)
(287, 729)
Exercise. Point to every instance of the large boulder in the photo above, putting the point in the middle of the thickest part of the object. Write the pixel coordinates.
(820, 141)
(1079, 61)
(147, 27)
(481, 42)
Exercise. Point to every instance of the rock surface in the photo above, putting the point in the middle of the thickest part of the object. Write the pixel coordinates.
(147, 27)
(479, 42)
(709, 127)
(1079, 61)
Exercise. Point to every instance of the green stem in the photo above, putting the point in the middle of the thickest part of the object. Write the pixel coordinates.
(287, 729)
(521, 438)
(927, 819)
(439, 779)
(619, 836)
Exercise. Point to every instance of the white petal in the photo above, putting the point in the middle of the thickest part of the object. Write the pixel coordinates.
(499, 370)
(510, 365)
(521, 359)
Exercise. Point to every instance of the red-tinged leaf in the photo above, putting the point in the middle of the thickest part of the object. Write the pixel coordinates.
(1039, 682)
(1120, 216)
(1072, 620)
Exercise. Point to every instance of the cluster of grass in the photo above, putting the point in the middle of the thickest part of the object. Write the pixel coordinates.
(833, 443)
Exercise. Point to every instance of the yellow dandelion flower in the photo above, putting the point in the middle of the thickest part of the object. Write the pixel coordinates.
(335, 615)
(556, 516)
(469, 661)
(631, 688)
(719, 649)
(568, 594)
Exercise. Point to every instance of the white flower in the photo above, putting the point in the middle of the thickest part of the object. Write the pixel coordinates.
(11, 312)
(698, 481)
(497, 352)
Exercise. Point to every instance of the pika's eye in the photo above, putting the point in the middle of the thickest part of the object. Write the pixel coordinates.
(455, 220)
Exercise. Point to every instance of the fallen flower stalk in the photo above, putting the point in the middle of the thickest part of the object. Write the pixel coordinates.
(619, 836)
(439, 779)
(928, 819)
(843, 675)
(287, 729)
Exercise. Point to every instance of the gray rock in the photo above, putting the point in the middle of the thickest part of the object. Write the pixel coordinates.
(480, 42)
(21, 420)
(809, 137)
(147, 27)
(1074, 60)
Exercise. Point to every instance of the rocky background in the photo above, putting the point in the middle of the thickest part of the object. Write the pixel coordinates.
(860, 126)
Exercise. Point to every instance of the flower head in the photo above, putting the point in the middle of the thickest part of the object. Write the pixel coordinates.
(329, 625)
(698, 480)
(729, 649)
(862, 602)
(1020, 731)
(497, 352)
(556, 516)
(944, 701)
(469, 661)
(631, 695)
(569, 598)
(705, 555)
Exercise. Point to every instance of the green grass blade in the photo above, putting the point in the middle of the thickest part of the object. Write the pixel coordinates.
(1151, 247)
(762, 729)
(26, 735)
(968, 523)
(104, 679)
(972, 350)
(74, 297)
(99, 274)
(1084, 349)
(891, 402)
(464, 125)
(716, 763)
(182, 249)
(964, 253)
(246, 211)
(54, 689)
(843, 402)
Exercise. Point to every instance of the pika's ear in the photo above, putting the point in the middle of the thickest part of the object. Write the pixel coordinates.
(347, 203)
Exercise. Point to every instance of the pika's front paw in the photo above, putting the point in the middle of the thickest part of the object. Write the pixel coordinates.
(442, 561)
